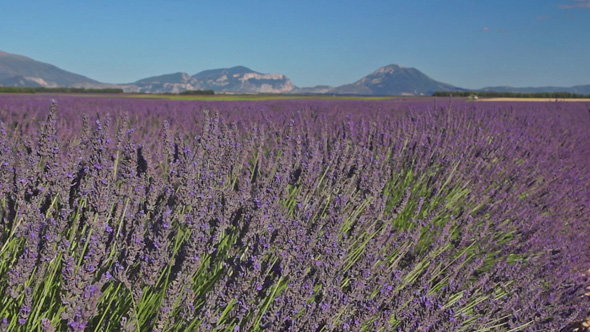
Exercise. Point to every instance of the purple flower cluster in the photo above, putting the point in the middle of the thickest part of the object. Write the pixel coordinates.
(123, 214)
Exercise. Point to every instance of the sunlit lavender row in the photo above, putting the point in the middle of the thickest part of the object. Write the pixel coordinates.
(123, 214)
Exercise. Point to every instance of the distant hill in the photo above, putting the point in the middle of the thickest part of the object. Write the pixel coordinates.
(20, 71)
(394, 80)
(241, 79)
(170, 83)
(238, 79)
(316, 90)
(577, 89)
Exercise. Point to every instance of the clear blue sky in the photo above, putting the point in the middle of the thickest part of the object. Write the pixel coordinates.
(468, 43)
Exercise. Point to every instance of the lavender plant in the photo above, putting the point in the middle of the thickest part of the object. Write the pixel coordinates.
(433, 215)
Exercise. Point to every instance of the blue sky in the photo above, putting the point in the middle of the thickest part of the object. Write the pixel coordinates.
(468, 43)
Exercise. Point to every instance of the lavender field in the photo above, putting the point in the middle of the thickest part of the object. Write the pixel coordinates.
(122, 214)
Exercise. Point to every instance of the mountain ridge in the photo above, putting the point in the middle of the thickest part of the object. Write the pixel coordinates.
(395, 80)
(241, 79)
(21, 71)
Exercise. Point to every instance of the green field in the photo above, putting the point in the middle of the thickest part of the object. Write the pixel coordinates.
(243, 97)
(225, 97)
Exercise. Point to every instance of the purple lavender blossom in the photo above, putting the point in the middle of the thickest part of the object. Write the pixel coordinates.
(286, 215)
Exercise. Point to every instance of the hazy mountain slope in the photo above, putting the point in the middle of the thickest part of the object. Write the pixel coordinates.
(169, 83)
(18, 70)
(394, 80)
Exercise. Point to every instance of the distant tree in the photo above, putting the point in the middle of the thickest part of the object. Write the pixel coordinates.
(495, 94)
(13, 89)
(198, 92)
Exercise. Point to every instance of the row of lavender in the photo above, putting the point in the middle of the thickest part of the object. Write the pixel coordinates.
(433, 215)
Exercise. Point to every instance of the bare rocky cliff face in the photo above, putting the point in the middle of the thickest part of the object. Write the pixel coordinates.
(243, 80)
(170, 83)
(225, 80)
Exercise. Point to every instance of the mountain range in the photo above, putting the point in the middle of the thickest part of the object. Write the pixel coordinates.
(20, 71)
(228, 80)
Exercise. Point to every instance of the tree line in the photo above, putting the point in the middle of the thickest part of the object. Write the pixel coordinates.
(11, 89)
(198, 92)
(494, 94)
